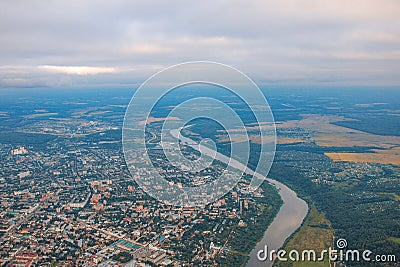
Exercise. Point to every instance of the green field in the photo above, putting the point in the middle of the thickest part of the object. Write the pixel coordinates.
(316, 233)
(395, 239)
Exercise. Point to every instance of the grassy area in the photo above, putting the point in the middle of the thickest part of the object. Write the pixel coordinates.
(37, 115)
(395, 239)
(391, 195)
(316, 233)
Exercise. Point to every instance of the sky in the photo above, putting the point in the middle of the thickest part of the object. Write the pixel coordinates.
(96, 43)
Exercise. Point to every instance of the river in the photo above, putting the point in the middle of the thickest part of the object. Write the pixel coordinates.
(286, 222)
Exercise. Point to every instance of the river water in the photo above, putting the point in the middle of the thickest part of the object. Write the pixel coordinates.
(286, 222)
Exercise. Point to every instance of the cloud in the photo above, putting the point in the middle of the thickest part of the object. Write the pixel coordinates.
(77, 70)
(295, 42)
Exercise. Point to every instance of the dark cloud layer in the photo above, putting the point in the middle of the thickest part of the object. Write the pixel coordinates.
(102, 43)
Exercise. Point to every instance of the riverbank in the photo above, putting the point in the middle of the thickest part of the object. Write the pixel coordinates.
(289, 218)
(316, 233)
